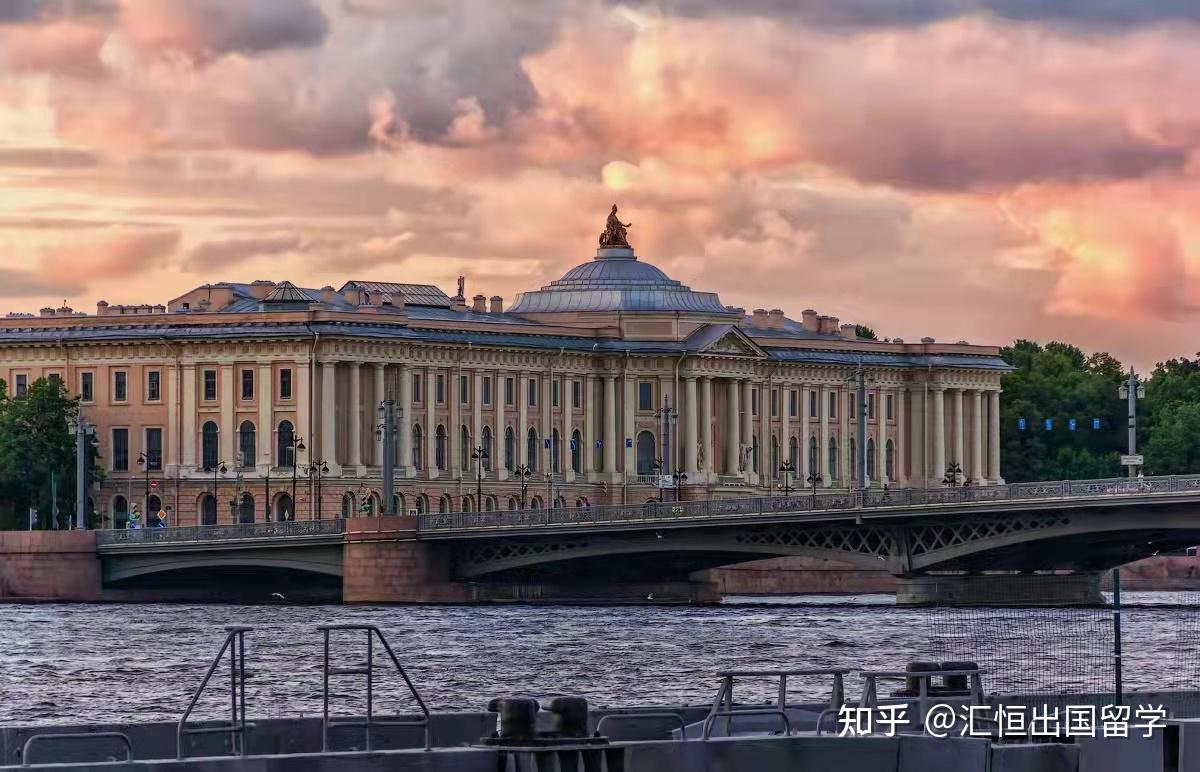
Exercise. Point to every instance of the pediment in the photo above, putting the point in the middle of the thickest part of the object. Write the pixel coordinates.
(725, 339)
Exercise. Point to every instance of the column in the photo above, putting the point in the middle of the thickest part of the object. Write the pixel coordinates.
(355, 418)
(785, 423)
(734, 434)
(766, 471)
(303, 386)
(823, 440)
(266, 423)
(546, 432)
(610, 425)
(957, 428)
(454, 430)
(522, 431)
(329, 417)
(498, 429)
(994, 437)
(846, 462)
(172, 436)
(189, 416)
(378, 395)
(566, 423)
(431, 470)
(477, 423)
(706, 429)
(803, 456)
(938, 430)
(747, 427)
(901, 435)
(228, 430)
(690, 429)
(977, 437)
(405, 414)
(628, 402)
(589, 424)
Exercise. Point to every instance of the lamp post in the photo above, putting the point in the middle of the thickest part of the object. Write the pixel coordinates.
(218, 468)
(318, 469)
(143, 461)
(814, 479)
(523, 473)
(657, 466)
(296, 445)
(1131, 391)
(479, 455)
(786, 486)
(953, 472)
(85, 439)
(678, 478)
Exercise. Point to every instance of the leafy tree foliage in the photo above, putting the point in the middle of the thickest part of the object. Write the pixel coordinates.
(865, 332)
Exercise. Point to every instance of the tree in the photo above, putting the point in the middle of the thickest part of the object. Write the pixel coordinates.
(865, 332)
(1172, 448)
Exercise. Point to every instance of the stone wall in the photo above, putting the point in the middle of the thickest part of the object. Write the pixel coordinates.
(49, 566)
(383, 563)
(798, 576)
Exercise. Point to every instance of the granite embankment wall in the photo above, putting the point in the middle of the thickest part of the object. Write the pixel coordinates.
(49, 566)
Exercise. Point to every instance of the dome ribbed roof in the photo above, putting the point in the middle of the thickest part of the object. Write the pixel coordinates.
(615, 280)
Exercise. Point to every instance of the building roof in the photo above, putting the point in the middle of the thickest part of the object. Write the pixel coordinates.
(413, 294)
(286, 292)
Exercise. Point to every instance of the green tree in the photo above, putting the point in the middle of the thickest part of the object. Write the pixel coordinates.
(1172, 448)
(865, 332)
(37, 447)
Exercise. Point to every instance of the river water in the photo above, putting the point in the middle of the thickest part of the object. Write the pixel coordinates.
(113, 662)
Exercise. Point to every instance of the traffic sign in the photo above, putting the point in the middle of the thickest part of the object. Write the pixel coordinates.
(1021, 424)
(1137, 460)
(1049, 424)
(154, 485)
(665, 481)
(1071, 424)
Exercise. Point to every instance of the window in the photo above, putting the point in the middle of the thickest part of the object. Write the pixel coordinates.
(871, 458)
(555, 452)
(774, 402)
(754, 454)
(794, 453)
(489, 450)
(464, 449)
(153, 386)
(22, 385)
(854, 408)
(463, 391)
(833, 459)
(554, 393)
(533, 390)
(833, 400)
(889, 409)
(87, 386)
(416, 387)
(646, 457)
(208, 446)
(871, 406)
(208, 510)
(812, 404)
(154, 450)
(889, 460)
(812, 456)
(531, 449)
(418, 450)
(120, 386)
(439, 449)
(284, 449)
(247, 385)
(576, 394)
(487, 390)
(247, 445)
(576, 452)
(120, 450)
(510, 389)
(439, 389)
(210, 385)
(54, 377)
(285, 383)
(645, 395)
(753, 401)
(793, 403)
(510, 448)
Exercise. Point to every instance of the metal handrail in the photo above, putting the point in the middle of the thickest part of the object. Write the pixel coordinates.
(289, 528)
(632, 716)
(235, 643)
(372, 632)
(708, 721)
(124, 738)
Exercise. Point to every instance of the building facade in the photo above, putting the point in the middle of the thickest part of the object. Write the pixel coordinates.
(253, 402)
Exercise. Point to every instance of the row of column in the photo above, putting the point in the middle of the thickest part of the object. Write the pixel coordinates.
(977, 466)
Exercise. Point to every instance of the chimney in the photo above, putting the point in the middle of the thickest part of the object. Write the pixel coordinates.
(760, 317)
(849, 332)
(775, 319)
(351, 295)
(46, 311)
(479, 304)
(928, 339)
(64, 310)
(261, 288)
(458, 303)
(809, 318)
(102, 308)
(386, 299)
(328, 294)
(497, 304)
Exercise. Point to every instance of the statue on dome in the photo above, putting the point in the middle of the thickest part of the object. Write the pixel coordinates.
(614, 234)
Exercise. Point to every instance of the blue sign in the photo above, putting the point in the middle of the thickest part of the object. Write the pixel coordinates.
(629, 442)
(572, 444)
(1071, 424)
(1020, 424)
(599, 443)
(1049, 424)
(1095, 423)
(546, 443)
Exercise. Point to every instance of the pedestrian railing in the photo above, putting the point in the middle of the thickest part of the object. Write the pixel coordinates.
(221, 532)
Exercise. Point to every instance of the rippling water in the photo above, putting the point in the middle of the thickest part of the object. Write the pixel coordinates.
(67, 663)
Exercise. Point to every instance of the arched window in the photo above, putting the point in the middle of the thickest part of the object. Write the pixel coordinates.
(439, 449)
(120, 512)
(247, 445)
(398, 504)
(153, 505)
(555, 451)
(813, 462)
(531, 448)
(464, 449)
(487, 446)
(245, 510)
(421, 504)
(375, 505)
(467, 504)
(512, 503)
(576, 452)
(347, 505)
(560, 503)
(284, 510)
(208, 509)
(853, 461)
(489, 503)
(833, 459)
(535, 502)
(418, 449)
(754, 453)
(284, 451)
(444, 504)
(889, 460)
(510, 449)
(774, 455)
(208, 445)
(870, 458)
(645, 453)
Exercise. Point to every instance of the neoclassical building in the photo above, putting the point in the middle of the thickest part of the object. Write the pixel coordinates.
(243, 401)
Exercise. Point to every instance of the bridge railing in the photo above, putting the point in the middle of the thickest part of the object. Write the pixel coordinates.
(221, 532)
(873, 498)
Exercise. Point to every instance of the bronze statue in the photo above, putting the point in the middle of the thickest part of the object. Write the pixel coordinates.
(462, 286)
(614, 234)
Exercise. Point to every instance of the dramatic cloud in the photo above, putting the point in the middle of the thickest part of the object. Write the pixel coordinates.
(112, 253)
(215, 255)
(17, 283)
(204, 28)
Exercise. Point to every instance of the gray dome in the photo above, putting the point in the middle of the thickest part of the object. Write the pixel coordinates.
(616, 281)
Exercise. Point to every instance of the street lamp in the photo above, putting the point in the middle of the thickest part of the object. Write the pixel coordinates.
(296, 445)
(814, 479)
(657, 466)
(218, 468)
(953, 472)
(787, 468)
(144, 462)
(523, 472)
(678, 478)
(318, 469)
(479, 455)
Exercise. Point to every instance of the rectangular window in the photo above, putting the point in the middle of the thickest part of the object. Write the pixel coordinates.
(154, 450)
(153, 386)
(812, 404)
(439, 389)
(210, 385)
(247, 385)
(833, 400)
(55, 377)
(285, 383)
(871, 406)
(774, 402)
(22, 384)
(120, 386)
(532, 392)
(487, 390)
(554, 393)
(854, 409)
(888, 408)
(793, 403)
(576, 394)
(510, 392)
(463, 390)
(416, 387)
(87, 386)
(645, 395)
(753, 401)
(120, 450)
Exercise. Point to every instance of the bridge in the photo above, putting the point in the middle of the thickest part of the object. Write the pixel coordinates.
(956, 544)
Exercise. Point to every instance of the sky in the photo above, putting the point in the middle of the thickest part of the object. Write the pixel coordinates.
(979, 170)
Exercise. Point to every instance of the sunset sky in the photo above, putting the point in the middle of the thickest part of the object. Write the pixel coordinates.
(966, 169)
